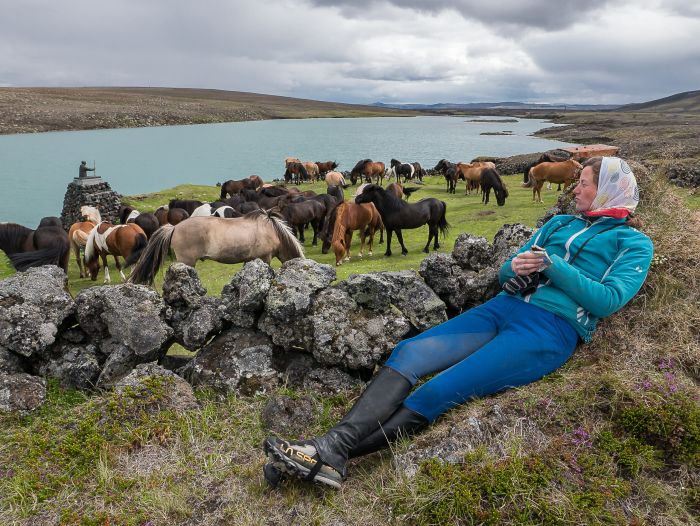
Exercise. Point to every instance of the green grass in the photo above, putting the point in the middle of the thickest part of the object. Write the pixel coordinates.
(464, 213)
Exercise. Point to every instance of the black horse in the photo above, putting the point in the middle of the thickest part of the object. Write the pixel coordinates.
(399, 169)
(490, 178)
(47, 245)
(336, 191)
(296, 173)
(397, 214)
(189, 205)
(419, 171)
(449, 171)
(299, 214)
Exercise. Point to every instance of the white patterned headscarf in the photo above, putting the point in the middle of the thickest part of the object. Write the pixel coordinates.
(617, 186)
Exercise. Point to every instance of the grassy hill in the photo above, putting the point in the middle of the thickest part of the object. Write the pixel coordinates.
(25, 110)
(686, 102)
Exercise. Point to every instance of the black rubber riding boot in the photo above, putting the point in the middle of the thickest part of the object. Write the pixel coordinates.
(403, 423)
(385, 393)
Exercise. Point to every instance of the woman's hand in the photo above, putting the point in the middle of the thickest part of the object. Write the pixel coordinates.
(526, 263)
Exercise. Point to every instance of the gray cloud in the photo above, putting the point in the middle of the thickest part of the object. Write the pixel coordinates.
(362, 51)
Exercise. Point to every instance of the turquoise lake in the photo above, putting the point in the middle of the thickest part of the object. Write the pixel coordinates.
(35, 169)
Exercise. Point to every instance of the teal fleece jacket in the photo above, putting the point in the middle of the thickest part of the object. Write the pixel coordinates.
(604, 276)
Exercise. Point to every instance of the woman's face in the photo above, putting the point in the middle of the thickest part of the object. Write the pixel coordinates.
(585, 190)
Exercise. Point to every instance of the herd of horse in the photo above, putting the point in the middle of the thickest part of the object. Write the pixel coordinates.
(252, 219)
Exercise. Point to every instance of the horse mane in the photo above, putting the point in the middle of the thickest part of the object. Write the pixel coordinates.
(360, 165)
(12, 236)
(90, 253)
(339, 226)
(290, 247)
(91, 213)
(389, 201)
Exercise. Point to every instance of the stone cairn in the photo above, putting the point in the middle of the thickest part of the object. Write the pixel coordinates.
(91, 191)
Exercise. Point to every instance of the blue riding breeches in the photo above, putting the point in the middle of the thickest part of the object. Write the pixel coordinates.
(503, 343)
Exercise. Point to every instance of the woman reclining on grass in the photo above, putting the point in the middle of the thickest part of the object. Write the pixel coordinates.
(575, 270)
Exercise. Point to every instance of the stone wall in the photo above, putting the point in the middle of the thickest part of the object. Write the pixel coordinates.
(291, 326)
(90, 191)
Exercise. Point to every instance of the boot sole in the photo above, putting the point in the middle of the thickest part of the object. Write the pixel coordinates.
(283, 463)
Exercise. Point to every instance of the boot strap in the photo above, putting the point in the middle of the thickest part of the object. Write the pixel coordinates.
(315, 469)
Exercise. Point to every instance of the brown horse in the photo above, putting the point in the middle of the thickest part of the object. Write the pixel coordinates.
(326, 166)
(79, 232)
(296, 173)
(471, 173)
(127, 241)
(47, 245)
(400, 190)
(259, 234)
(172, 216)
(256, 182)
(232, 187)
(350, 217)
(366, 168)
(557, 172)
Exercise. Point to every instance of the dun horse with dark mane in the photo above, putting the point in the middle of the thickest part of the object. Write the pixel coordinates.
(258, 234)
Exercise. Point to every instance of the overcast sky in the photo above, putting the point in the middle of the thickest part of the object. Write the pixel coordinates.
(591, 51)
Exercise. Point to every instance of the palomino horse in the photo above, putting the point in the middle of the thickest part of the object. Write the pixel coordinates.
(397, 214)
(127, 241)
(335, 179)
(312, 170)
(367, 168)
(259, 234)
(79, 232)
(559, 172)
(471, 173)
(47, 245)
(348, 218)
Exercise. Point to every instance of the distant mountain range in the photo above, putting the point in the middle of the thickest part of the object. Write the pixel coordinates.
(686, 102)
(498, 106)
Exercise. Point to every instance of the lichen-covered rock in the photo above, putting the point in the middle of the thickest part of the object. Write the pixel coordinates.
(330, 382)
(33, 306)
(133, 315)
(343, 333)
(370, 290)
(75, 365)
(236, 361)
(11, 363)
(416, 300)
(287, 416)
(243, 299)
(194, 316)
(442, 274)
(21, 392)
(290, 298)
(120, 361)
(167, 390)
(508, 240)
(472, 252)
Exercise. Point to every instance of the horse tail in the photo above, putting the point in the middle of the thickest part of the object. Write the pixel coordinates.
(12, 237)
(290, 247)
(90, 252)
(527, 183)
(139, 246)
(35, 258)
(304, 172)
(152, 256)
(443, 225)
(409, 191)
(339, 227)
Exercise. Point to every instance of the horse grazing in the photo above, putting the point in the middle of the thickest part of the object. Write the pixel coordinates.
(326, 166)
(348, 218)
(557, 172)
(78, 233)
(397, 214)
(47, 245)
(471, 173)
(491, 179)
(367, 168)
(127, 241)
(400, 191)
(296, 173)
(399, 169)
(259, 234)
(335, 179)
(312, 170)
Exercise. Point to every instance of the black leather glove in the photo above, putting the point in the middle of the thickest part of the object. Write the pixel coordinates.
(522, 284)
